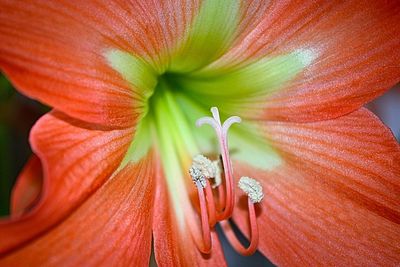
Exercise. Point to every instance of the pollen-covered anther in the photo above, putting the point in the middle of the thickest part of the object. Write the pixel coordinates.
(205, 165)
(197, 176)
(252, 188)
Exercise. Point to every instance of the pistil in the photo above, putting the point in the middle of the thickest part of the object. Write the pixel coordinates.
(221, 131)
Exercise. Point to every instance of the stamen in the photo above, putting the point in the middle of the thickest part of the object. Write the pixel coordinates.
(205, 245)
(197, 176)
(212, 212)
(252, 188)
(254, 192)
(201, 169)
(205, 165)
(221, 131)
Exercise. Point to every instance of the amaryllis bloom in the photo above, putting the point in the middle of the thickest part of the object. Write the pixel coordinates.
(128, 80)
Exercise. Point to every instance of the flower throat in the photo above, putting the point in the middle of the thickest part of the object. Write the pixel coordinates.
(181, 151)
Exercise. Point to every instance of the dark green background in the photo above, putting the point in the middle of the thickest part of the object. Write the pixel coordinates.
(17, 116)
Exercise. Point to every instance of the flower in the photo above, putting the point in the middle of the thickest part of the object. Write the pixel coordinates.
(128, 80)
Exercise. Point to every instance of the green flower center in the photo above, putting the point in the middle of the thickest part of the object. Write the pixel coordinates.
(173, 101)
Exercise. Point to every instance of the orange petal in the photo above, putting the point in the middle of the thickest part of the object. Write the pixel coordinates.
(26, 191)
(173, 243)
(77, 158)
(55, 52)
(352, 50)
(112, 228)
(335, 201)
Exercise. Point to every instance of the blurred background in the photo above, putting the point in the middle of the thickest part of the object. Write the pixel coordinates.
(18, 114)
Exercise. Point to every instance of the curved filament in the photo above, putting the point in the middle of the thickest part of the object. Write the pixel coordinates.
(254, 236)
(205, 245)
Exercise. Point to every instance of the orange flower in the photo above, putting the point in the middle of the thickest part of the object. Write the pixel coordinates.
(128, 80)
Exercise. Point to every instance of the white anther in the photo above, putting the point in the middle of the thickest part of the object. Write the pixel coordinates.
(252, 188)
(204, 165)
(197, 176)
(217, 178)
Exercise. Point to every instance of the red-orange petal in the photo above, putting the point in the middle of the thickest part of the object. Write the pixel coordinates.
(77, 158)
(173, 243)
(336, 198)
(353, 48)
(26, 191)
(112, 228)
(55, 51)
